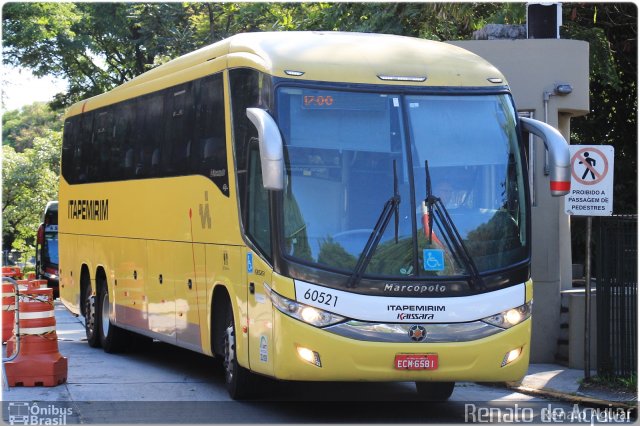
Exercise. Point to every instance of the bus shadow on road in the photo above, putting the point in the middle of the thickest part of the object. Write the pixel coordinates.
(204, 369)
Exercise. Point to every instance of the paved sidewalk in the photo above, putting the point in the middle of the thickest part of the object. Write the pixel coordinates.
(559, 382)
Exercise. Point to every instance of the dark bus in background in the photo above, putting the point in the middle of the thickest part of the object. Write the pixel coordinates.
(47, 247)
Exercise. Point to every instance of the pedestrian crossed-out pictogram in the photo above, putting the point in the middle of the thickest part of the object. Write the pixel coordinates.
(589, 166)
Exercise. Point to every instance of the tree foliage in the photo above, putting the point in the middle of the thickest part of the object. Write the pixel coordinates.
(21, 126)
(436, 21)
(31, 138)
(96, 46)
(29, 181)
(611, 30)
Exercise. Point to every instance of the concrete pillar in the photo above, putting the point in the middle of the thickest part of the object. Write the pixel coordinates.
(533, 67)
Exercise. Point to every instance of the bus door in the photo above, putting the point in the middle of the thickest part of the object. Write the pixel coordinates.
(260, 314)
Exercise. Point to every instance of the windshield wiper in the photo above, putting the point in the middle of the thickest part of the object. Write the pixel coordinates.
(437, 210)
(391, 206)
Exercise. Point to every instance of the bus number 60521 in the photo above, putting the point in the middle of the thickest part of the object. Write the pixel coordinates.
(321, 297)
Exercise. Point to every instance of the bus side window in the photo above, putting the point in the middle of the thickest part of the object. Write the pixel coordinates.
(83, 155)
(245, 93)
(102, 144)
(68, 148)
(178, 121)
(123, 163)
(209, 152)
(151, 134)
(257, 223)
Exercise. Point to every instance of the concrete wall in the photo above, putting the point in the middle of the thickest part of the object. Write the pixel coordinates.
(533, 67)
(576, 304)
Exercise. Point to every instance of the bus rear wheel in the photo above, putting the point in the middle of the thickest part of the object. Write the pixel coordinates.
(435, 391)
(112, 338)
(238, 379)
(91, 319)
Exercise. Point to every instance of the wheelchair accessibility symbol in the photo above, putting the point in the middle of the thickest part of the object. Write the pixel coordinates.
(433, 259)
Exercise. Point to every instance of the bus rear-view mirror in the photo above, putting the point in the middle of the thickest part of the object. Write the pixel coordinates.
(559, 156)
(271, 150)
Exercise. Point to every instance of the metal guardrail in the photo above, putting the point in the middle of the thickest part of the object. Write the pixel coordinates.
(617, 292)
(16, 325)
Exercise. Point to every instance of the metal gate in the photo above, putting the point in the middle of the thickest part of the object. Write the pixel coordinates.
(616, 266)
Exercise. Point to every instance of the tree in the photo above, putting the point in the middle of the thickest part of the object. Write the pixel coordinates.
(29, 181)
(21, 126)
(435, 21)
(97, 46)
(611, 30)
(94, 46)
(31, 138)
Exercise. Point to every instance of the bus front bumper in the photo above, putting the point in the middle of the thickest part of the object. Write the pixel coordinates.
(337, 358)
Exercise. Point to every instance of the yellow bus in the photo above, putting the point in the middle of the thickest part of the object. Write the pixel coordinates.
(309, 206)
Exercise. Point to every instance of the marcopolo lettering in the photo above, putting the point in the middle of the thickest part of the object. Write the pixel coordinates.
(415, 288)
(88, 209)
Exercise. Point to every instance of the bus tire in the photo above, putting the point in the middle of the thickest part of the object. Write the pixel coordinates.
(435, 391)
(91, 318)
(113, 338)
(237, 378)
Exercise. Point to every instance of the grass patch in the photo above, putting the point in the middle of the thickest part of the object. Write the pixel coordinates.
(627, 384)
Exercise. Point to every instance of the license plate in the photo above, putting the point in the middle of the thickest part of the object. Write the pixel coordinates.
(416, 361)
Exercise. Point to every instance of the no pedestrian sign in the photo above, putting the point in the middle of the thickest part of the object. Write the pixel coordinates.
(591, 181)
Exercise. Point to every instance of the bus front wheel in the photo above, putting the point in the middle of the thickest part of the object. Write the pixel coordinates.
(435, 391)
(237, 378)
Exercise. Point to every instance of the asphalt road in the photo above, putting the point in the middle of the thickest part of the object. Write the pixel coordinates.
(165, 384)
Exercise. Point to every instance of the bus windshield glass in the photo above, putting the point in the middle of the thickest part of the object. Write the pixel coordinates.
(340, 150)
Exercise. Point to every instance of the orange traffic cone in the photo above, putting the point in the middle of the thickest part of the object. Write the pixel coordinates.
(12, 272)
(8, 311)
(23, 286)
(38, 362)
(33, 284)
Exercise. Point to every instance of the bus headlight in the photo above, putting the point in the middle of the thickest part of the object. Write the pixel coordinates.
(305, 313)
(510, 317)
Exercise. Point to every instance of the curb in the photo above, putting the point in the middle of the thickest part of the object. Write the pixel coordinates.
(573, 397)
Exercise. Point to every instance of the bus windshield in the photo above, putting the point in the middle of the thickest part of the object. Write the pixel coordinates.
(340, 150)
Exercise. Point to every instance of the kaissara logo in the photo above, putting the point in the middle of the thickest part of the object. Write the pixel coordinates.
(407, 317)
